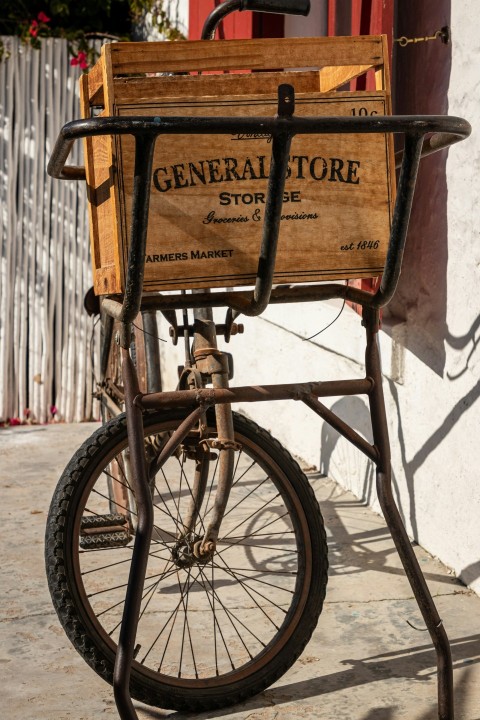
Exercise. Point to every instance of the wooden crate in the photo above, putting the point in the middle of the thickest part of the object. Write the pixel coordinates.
(208, 192)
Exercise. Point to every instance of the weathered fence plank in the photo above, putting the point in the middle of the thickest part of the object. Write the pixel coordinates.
(45, 335)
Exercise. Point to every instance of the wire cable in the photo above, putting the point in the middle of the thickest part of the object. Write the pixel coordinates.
(326, 326)
(145, 332)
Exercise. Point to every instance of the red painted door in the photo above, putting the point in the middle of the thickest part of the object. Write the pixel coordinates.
(238, 25)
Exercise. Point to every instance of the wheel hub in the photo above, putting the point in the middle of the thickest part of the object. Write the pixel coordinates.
(188, 552)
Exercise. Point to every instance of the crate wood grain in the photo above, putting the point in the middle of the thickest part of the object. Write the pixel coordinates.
(208, 192)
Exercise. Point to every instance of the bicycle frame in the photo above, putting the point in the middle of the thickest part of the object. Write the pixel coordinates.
(282, 128)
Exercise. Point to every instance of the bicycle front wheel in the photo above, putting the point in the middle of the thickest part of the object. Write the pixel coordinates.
(211, 631)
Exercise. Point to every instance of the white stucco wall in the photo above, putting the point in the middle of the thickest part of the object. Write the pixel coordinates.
(434, 418)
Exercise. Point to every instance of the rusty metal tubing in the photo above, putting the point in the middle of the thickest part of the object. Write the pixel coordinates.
(273, 206)
(138, 124)
(214, 365)
(338, 424)
(144, 147)
(248, 393)
(397, 529)
(401, 218)
(238, 299)
(224, 423)
(152, 356)
(177, 437)
(432, 144)
(107, 333)
(143, 534)
(200, 480)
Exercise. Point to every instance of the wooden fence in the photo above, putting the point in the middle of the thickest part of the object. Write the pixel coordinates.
(45, 335)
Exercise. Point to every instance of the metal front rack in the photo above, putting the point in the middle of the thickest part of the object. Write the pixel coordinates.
(283, 127)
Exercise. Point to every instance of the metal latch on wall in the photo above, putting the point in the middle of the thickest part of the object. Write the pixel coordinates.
(445, 35)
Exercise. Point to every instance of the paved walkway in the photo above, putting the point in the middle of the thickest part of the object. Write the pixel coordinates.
(364, 662)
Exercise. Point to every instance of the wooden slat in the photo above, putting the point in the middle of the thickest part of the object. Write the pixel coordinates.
(95, 81)
(382, 76)
(110, 210)
(143, 90)
(149, 57)
(332, 78)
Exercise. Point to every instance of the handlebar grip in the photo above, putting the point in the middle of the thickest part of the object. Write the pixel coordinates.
(282, 7)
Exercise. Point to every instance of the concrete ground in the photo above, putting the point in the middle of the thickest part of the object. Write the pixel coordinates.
(364, 661)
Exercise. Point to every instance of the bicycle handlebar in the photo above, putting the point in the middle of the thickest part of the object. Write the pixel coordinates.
(282, 128)
(281, 7)
(453, 130)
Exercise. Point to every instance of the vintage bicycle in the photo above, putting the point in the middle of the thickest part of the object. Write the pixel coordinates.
(186, 553)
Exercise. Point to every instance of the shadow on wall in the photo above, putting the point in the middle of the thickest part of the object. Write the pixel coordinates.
(421, 298)
(352, 551)
(469, 574)
(352, 464)
(355, 472)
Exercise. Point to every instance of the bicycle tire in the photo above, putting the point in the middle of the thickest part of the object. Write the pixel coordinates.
(283, 542)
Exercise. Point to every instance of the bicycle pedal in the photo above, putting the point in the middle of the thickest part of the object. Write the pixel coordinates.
(100, 541)
(104, 531)
(92, 522)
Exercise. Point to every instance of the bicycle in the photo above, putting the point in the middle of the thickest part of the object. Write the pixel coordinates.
(238, 542)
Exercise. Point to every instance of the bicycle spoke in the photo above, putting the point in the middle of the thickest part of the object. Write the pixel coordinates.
(115, 479)
(118, 587)
(235, 573)
(247, 591)
(174, 615)
(166, 511)
(256, 512)
(132, 512)
(186, 626)
(150, 590)
(191, 495)
(171, 495)
(216, 623)
(245, 497)
(211, 486)
(106, 567)
(230, 614)
(246, 537)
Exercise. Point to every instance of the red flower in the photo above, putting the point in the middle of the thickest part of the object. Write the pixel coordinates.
(43, 18)
(80, 59)
(53, 410)
(14, 421)
(33, 29)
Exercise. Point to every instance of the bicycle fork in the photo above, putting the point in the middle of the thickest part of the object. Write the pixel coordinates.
(213, 364)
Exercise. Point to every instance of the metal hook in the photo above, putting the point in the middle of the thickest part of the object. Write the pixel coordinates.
(445, 35)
